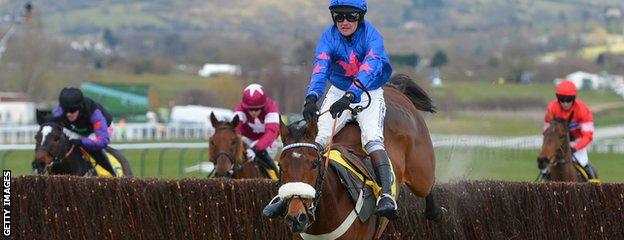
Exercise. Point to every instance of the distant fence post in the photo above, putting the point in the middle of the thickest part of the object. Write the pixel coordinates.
(143, 153)
(181, 161)
(160, 160)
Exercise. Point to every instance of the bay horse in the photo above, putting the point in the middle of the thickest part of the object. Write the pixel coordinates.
(55, 155)
(319, 204)
(555, 157)
(227, 152)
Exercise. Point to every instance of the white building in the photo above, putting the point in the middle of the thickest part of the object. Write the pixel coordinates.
(211, 69)
(195, 114)
(15, 109)
(584, 80)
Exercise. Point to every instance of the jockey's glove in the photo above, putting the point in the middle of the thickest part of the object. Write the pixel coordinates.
(342, 104)
(76, 142)
(251, 154)
(310, 109)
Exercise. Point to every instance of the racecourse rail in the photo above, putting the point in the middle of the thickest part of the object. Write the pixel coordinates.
(58, 207)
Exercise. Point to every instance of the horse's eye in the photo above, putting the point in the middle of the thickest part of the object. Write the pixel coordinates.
(234, 142)
(314, 164)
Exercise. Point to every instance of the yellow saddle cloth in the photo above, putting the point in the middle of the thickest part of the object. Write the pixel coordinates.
(101, 172)
(336, 156)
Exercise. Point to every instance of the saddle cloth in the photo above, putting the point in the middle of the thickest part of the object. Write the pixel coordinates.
(99, 170)
(357, 175)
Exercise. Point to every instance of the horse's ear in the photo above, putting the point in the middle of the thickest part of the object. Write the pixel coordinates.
(44, 116)
(235, 120)
(213, 120)
(283, 130)
(312, 129)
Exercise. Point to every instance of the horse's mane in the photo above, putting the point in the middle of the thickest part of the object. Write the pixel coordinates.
(298, 130)
(415, 93)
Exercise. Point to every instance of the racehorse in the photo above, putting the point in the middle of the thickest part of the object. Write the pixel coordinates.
(320, 203)
(227, 152)
(555, 157)
(55, 155)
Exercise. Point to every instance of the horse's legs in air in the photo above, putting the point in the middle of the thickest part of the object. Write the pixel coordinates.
(433, 211)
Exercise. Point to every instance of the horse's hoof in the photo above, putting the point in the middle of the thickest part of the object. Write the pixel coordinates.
(438, 216)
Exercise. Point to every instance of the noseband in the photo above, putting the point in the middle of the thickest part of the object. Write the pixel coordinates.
(59, 155)
(235, 165)
(318, 186)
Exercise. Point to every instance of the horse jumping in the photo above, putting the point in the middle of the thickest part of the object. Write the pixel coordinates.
(316, 204)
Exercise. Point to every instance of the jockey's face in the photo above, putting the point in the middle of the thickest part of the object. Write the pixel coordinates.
(254, 112)
(566, 105)
(72, 116)
(346, 22)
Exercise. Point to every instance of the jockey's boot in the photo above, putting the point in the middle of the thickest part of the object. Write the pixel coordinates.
(386, 205)
(277, 207)
(591, 172)
(102, 160)
(266, 159)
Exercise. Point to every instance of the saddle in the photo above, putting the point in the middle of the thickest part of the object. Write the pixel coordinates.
(584, 177)
(356, 173)
(99, 170)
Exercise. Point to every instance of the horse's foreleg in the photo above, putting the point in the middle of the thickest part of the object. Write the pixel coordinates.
(433, 211)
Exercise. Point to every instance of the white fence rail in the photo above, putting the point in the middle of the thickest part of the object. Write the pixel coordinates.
(131, 132)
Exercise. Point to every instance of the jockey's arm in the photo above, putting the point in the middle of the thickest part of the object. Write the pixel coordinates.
(322, 67)
(100, 129)
(374, 65)
(587, 131)
(271, 131)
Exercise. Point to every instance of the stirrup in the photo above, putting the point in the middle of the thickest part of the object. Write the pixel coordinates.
(385, 195)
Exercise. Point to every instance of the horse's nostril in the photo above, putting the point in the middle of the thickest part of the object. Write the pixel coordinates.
(302, 218)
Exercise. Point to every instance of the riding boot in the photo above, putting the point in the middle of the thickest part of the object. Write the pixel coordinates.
(266, 159)
(275, 208)
(102, 160)
(386, 205)
(591, 172)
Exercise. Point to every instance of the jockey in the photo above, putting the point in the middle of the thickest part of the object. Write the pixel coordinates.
(581, 125)
(351, 51)
(259, 124)
(85, 117)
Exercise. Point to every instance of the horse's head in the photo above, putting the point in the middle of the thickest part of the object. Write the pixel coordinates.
(225, 146)
(302, 173)
(556, 143)
(51, 145)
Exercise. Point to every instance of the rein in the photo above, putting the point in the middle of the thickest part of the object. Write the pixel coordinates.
(235, 165)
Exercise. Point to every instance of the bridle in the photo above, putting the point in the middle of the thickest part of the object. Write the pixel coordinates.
(60, 154)
(235, 165)
(320, 179)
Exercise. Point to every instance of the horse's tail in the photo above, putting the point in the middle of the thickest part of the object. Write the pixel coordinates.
(415, 93)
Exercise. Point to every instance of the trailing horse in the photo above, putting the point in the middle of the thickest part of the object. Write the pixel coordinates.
(227, 153)
(55, 155)
(555, 159)
(319, 206)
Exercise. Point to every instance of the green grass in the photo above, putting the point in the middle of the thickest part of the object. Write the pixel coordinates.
(112, 16)
(482, 124)
(169, 87)
(20, 162)
(511, 165)
(473, 92)
(452, 163)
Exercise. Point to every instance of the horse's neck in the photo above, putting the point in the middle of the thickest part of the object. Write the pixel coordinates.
(74, 164)
(333, 207)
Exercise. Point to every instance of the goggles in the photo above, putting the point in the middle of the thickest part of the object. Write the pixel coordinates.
(349, 16)
(563, 99)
